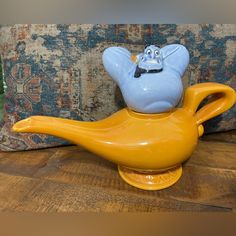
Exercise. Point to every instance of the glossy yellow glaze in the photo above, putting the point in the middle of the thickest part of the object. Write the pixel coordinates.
(150, 180)
(143, 142)
(131, 139)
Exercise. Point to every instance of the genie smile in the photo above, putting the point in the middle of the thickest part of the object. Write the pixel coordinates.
(139, 71)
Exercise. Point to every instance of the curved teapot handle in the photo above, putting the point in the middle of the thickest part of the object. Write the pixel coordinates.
(223, 98)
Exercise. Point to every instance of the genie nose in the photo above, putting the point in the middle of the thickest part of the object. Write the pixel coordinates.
(151, 55)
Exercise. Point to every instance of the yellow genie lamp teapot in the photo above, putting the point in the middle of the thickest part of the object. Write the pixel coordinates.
(151, 140)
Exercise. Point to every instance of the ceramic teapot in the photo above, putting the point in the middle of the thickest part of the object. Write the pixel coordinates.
(148, 140)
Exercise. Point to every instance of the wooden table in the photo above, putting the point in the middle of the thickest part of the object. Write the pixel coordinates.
(70, 179)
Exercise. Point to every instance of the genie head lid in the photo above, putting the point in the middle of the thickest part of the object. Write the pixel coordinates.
(150, 59)
(150, 82)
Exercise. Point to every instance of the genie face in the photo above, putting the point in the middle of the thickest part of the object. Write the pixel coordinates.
(151, 59)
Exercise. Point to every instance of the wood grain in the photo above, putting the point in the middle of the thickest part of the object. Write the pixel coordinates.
(71, 179)
(228, 136)
(36, 195)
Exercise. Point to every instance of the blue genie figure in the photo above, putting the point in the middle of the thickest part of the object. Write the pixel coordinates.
(150, 82)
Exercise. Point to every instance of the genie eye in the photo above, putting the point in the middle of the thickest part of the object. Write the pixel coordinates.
(157, 52)
(149, 51)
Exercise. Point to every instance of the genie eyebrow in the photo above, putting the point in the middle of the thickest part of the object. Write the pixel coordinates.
(150, 45)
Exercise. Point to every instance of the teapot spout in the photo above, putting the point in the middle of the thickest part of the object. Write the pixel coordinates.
(100, 137)
(59, 127)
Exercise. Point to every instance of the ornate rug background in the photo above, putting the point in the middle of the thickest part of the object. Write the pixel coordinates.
(56, 70)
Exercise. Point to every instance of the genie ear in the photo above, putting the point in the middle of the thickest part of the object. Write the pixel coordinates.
(116, 61)
(175, 56)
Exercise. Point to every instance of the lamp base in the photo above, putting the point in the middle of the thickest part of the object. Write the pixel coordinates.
(150, 180)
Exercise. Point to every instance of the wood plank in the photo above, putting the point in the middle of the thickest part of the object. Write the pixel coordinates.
(214, 154)
(203, 184)
(208, 182)
(23, 163)
(27, 162)
(210, 186)
(36, 195)
(228, 136)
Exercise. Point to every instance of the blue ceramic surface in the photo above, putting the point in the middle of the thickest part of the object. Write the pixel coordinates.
(149, 92)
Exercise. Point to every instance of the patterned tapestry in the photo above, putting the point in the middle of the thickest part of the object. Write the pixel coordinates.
(56, 70)
(1, 91)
